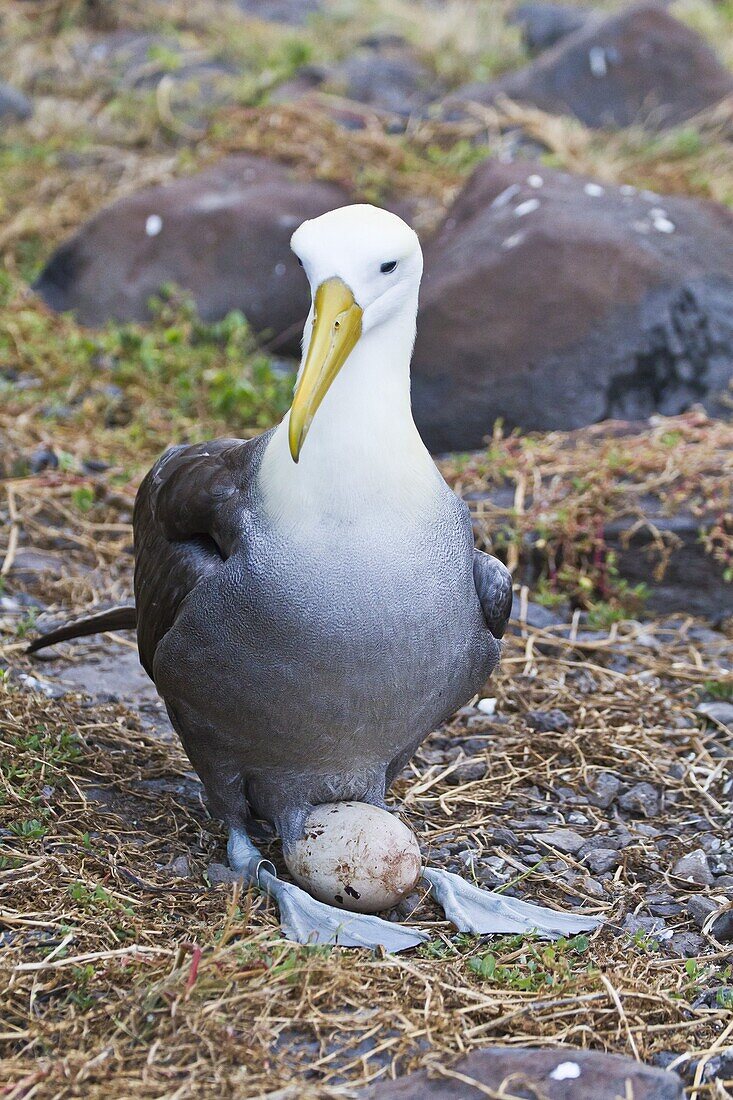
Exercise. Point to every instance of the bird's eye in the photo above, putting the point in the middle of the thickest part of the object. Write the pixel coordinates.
(388, 266)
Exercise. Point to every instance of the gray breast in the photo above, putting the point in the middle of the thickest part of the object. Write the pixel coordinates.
(317, 664)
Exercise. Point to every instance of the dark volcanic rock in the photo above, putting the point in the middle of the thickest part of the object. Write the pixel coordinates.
(224, 235)
(553, 302)
(694, 867)
(641, 66)
(383, 74)
(642, 800)
(604, 790)
(547, 720)
(564, 1073)
(14, 106)
(387, 77)
(543, 25)
(693, 580)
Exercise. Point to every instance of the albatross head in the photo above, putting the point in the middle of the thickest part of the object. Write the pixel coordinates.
(364, 266)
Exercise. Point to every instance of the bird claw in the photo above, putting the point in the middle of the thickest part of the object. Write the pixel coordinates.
(472, 909)
(305, 920)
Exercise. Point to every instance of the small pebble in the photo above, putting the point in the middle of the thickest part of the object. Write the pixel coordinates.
(548, 721)
(687, 944)
(487, 706)
(694, 867)
(717, 712)
(594, 190)
(43, 458)
(217, 873)
(602, 860)
(642, 799)
(563, 840)
(181, 868)
(604, 790)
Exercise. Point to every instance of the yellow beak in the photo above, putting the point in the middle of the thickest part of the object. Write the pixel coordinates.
(336, 329)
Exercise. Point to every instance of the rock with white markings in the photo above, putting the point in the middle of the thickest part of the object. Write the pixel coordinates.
(563, 1073)
(355, 856)
(638, 66)
(553, 304)
(222, 234)
(694, 867)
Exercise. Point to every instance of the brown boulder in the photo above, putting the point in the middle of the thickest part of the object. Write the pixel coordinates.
(641, 66)
(223, 234)
(554, 302)
(560, 1074)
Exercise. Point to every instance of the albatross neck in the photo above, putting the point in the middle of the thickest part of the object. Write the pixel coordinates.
(363, 460)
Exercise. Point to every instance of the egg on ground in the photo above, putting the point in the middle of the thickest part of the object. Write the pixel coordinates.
(355, 856)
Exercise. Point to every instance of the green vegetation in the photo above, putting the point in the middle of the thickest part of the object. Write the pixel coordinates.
(144, 385)
(719, 689)
(522, 964)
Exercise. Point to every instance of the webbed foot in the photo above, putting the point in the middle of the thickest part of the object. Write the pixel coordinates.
(472, 909)
(307, 921)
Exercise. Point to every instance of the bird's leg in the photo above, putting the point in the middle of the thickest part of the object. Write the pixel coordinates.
(308, 921)
(472, 909)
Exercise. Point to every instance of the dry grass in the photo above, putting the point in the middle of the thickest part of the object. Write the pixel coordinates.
(566, 488)
(121, 979)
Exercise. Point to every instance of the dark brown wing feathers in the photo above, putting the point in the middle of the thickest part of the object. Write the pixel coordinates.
(187, 520)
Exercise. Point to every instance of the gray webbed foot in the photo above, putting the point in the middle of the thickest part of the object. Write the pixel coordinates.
(472, 909)
(307, 921)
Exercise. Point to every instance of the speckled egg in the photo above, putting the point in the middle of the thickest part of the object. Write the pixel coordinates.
(355, 856)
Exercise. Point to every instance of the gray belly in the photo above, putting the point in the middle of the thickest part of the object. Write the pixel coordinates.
(332, 665)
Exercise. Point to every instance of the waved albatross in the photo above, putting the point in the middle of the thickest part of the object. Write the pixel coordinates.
(309, 603)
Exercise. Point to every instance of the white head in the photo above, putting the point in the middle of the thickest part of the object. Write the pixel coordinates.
(372, 251)
(364, 455)
(364, 266)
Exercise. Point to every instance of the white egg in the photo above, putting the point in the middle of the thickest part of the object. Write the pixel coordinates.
(355, 856)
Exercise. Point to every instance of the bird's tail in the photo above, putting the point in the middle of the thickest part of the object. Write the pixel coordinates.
(116, 618)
